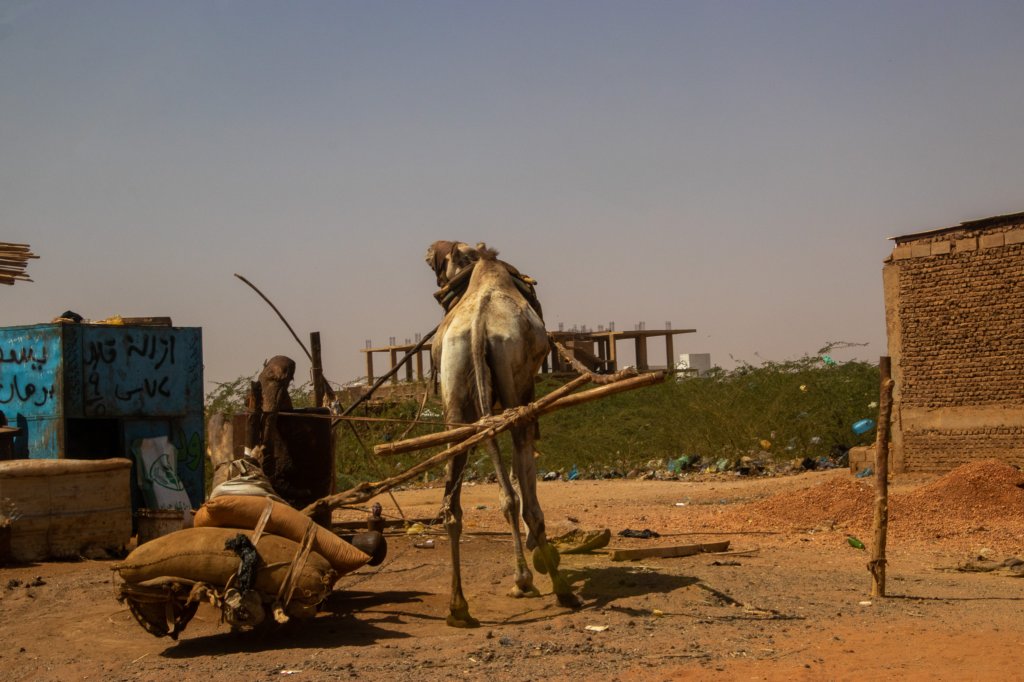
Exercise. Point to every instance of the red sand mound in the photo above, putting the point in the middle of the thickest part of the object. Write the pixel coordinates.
(982, 497)
(981, 503)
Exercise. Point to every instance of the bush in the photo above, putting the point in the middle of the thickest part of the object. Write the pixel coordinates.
(800, 408)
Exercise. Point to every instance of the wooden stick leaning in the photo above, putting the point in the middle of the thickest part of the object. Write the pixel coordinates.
(881, 521)
(367, 491)
(556, 400)
(390, 373)
(489, 429)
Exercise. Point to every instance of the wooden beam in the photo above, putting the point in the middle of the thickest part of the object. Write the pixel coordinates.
(544, 406)
(668, 552)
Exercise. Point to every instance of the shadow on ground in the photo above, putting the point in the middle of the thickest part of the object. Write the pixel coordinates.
(336, 625)
(604, 585)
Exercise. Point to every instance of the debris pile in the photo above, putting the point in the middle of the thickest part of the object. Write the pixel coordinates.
(979, 499)
(979, 502)
(838, 502)
(13, 262)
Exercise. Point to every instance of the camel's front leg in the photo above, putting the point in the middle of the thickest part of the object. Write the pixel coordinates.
(510, 507)
(458, 615)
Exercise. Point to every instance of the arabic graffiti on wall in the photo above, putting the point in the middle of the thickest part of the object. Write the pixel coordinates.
(133, 371)
(100, 371)
(29, 368)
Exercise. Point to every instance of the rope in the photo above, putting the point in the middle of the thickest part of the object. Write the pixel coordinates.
(262, 523)
(284, 595)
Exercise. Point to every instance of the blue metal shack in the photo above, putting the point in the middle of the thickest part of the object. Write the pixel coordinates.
(87, 391)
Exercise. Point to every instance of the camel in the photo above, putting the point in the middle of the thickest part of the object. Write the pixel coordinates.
(488, 350)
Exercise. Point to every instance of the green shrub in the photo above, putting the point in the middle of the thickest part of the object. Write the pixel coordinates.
(794, 409)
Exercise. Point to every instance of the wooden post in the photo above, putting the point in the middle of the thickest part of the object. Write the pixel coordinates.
(670, 352)
(369, 367)
(641, 352)
(881, 525)
(317, 370)
(393, 353)
(254, 421)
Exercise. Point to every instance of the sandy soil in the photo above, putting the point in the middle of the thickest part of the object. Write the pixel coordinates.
(789, 602)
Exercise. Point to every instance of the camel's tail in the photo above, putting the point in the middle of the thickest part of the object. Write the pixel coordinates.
(481, 371)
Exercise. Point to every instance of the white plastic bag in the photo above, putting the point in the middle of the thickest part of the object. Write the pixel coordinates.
(156, 466)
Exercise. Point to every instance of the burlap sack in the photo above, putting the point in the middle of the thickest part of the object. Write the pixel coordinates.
(237, 511)
(198, 554)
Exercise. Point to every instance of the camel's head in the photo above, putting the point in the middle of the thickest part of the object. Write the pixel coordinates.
(277, 374)
(446, 259)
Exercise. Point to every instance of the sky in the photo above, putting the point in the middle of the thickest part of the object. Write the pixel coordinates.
(732, 167)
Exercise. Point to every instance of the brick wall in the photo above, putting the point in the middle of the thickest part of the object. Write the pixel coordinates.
(861, 457)
(963, 328)
(960, 335)
(945, 449)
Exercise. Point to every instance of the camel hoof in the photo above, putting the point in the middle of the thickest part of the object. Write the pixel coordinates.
(570, 600)
(519, 593)
(546, 556)
(463, 620)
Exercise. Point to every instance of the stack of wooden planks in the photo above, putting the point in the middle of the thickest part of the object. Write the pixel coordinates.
(13, 261)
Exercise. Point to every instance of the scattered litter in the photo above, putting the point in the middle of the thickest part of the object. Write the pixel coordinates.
(657, 613)
(552, 476)
(416, 529)
(645, 534)
(1013, 567)
(596, 628)
(580, 541)
(573, 474)
(863, 426)
(865, 603)
(289, 672)
(854, 542)
(681, 464)
(865, 472)
(424, 544)
(680, 504)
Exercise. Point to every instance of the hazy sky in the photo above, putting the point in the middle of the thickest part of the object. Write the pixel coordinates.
(734, 167)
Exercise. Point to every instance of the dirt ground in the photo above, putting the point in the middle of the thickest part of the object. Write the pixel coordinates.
(790, 600)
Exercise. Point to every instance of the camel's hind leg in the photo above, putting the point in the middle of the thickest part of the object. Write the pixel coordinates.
(510, 507)
(458, 607)
(545, 556)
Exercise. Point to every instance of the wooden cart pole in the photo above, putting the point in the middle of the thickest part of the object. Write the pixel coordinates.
(881, 526)
(558, 399)
(491, 427)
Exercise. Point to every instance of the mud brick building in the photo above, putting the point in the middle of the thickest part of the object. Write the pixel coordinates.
(954, 305)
